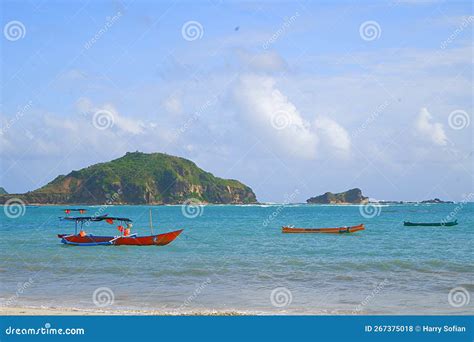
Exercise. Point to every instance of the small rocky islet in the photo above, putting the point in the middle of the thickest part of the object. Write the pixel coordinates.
(352, 196)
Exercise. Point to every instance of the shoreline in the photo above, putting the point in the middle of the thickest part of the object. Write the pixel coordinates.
(68, 311)
(348, 204)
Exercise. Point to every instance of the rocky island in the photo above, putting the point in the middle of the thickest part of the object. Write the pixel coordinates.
(139, 178)
(436, 201)
(352, 196)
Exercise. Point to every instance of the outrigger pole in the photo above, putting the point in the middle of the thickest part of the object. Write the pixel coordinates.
(151, 224)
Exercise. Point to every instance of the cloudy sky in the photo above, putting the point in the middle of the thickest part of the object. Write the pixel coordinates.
(292, 98)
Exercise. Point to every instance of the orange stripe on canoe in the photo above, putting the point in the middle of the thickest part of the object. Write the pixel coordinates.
(339, 230)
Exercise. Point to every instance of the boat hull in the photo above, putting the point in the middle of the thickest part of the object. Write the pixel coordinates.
(92, 240)
(339, 230)
(415, 224)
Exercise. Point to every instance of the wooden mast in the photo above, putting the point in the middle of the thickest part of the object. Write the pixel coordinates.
(151, 223)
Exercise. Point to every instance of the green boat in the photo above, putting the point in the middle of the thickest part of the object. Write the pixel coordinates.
(440, 224)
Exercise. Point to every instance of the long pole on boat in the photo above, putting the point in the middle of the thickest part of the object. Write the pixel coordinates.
(151, 223)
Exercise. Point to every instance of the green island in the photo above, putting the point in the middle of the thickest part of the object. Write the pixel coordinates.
(139, 178)
(352, 196)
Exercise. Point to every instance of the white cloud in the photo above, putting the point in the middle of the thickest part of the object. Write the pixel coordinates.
(333, 134)
(173, 105)
(429, 130)
(125, 124)
(84, 105)
(275, 119)
(128, 125)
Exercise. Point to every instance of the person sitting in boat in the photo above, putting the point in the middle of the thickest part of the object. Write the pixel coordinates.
(128, 230)
(82, 233)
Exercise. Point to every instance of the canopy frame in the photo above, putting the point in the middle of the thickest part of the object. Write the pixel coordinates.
(82, 219)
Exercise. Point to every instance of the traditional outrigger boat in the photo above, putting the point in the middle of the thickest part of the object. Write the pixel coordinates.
(435, 224)
(80, 211)
(125, 237)
(339, 230)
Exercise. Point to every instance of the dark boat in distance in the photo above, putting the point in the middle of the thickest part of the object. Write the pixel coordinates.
(435, 224)
(339, 230)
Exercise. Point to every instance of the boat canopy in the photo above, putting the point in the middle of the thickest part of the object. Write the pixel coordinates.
(107, 218)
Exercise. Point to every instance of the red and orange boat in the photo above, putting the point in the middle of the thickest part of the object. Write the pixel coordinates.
(339, 230)
(125, 237)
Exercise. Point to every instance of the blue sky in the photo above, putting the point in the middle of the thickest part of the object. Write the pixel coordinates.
(288, 97)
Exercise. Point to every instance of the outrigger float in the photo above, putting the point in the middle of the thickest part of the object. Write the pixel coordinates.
(81, 238)
(339, 230)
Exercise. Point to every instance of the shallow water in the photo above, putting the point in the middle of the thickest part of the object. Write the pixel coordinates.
(236, 258)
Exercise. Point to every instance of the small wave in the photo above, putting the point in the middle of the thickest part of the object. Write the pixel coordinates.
(45, 310)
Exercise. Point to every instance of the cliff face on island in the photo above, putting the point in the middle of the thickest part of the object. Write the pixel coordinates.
(139, 178)
(353, 196)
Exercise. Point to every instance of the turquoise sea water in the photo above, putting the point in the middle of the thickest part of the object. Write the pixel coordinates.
(235, 258)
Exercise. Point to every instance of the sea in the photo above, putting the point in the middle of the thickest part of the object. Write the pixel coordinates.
(235, 259)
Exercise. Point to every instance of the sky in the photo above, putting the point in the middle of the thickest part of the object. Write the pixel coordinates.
(293, 98)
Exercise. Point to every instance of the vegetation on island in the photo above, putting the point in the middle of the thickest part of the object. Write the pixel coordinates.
(140, 178)
(352, 196)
